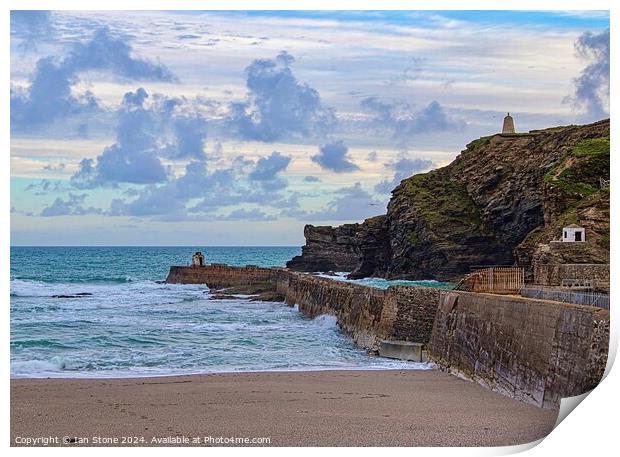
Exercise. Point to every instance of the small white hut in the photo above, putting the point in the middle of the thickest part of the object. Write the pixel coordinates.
(573, 233)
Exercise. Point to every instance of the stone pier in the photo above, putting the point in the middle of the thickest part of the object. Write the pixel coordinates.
(536, 351)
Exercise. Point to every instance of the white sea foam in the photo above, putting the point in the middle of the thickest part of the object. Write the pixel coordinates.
(29, 368)
(326, 321)
(145, 328)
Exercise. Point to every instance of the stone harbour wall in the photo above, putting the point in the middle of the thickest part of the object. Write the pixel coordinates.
(536, 351)
(367, 314)
(552, 274)
(533, 350)
(219, 275)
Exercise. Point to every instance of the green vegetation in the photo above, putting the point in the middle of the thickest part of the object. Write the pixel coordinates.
(443, 204)
(604, 241)
(595, 147)
(591, 211)
(482, 141)
(580, 170)
(414, 239)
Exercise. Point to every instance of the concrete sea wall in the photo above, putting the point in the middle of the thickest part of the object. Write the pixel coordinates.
(367, 314)
(217, 276)
(536, 351)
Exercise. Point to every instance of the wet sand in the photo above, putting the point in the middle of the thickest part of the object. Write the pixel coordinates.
(321, 408)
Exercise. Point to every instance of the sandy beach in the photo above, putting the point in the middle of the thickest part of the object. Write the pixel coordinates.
(321, 408)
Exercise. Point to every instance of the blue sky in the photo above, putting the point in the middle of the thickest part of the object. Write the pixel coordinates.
(237, 128)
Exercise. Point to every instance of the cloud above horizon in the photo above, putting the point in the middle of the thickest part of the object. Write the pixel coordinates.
(49, 95)
(31, 26)
(405, 122)
(403, 168)
(592, 85)
(139, 117)
(278, 104)
(335, 157)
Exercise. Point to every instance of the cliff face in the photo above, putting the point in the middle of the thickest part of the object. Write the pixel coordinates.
(493, 205)
(345, 248)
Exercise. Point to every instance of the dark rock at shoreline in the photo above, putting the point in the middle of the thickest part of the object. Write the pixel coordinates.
(217, 296)
(328, 249)
(78, 295)
(268, 296)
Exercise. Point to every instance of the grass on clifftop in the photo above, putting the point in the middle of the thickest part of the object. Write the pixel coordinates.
(482, 141)
(444, 204)
(579, 171)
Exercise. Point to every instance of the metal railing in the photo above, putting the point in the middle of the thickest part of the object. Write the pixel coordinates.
(567, 296)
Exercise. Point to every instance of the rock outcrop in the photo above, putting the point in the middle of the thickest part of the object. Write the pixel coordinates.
(328, 249)
(495, 204)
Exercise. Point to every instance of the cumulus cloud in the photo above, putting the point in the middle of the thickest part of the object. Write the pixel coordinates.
(114, 53)
(335, 157)
(404, 121)
(403, 168)
(31, 26)
(268, 167)
(592, 85)
(134, 157)
(146, 133)
(46, 186)
(200, 193)
(278, 104)
(49, 96)
(350, 203)
(311, 179)
(190, 131)
(72, 206)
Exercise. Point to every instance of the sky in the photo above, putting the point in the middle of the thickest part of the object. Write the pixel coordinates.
(238, 128)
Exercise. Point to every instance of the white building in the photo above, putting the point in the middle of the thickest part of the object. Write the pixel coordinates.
(198, 260)
(573, 233)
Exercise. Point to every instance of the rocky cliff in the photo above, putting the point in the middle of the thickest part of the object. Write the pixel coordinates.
(497, 203)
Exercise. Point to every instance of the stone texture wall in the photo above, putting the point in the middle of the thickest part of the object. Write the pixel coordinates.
(409, 311)
(367, 314)
(535, 351)
(553, 274)
(532, 350)
(219, 275)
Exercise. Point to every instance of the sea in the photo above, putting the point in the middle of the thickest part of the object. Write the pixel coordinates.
(105, 312)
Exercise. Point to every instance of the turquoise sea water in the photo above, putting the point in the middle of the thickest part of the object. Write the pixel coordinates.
(121, 320)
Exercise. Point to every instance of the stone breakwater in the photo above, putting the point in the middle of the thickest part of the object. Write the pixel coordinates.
(536, 351)
(368, 315)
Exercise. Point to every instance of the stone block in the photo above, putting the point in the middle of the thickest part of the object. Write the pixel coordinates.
(403, 350)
